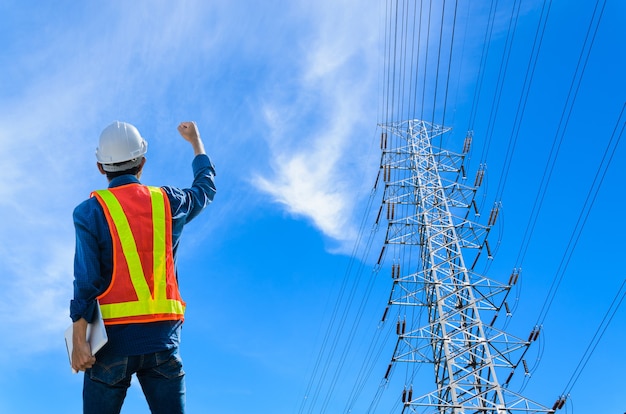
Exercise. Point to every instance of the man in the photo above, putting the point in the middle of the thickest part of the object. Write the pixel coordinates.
(126, 242)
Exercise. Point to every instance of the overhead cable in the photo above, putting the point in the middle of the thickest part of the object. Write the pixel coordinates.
(605, 163)
(592, 30)
(604, 324)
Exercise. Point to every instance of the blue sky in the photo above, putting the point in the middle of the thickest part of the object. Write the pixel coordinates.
(287, 96)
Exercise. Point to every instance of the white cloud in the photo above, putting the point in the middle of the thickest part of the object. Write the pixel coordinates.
(305, 185)
(320, 137)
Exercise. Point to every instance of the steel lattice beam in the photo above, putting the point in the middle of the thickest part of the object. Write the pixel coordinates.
(427, 211)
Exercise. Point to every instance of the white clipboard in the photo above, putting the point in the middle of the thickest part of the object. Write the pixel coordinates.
(96, 335)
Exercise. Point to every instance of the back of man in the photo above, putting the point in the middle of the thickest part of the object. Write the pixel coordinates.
(126, 243)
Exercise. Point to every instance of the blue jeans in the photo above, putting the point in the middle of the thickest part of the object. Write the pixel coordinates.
(160, 374)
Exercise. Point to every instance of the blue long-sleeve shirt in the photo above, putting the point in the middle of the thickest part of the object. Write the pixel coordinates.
(93, 260)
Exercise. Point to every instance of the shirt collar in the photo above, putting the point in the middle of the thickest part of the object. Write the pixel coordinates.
(123, 180)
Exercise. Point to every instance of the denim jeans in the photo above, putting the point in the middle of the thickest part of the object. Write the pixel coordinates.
(160, 374)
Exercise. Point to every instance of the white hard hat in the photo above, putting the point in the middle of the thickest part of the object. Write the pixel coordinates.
(120, 142)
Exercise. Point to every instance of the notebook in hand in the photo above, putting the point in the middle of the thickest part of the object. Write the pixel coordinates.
(96, 336)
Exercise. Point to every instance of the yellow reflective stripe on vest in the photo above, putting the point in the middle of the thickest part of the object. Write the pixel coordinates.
(146, 303)
(152, 307)
(158, 246)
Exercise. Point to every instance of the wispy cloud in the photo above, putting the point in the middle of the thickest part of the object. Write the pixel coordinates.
(319, 137)
(39, 149)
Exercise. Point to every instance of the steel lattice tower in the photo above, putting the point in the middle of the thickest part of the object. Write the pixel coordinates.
(445, 311)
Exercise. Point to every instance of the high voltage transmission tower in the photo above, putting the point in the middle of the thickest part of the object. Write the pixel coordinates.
(446, 312)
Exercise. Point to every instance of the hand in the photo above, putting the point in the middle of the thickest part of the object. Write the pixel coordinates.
(189, 131)
(81, 357)
(81, 351)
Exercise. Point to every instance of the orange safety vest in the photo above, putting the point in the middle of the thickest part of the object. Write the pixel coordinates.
(143, 285)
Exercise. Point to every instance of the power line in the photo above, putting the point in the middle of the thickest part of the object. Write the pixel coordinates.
(445, 100)
(595, 340)
(605, 163)
(563, 123)
(528, 80)
(483, 62)
(504, 63)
